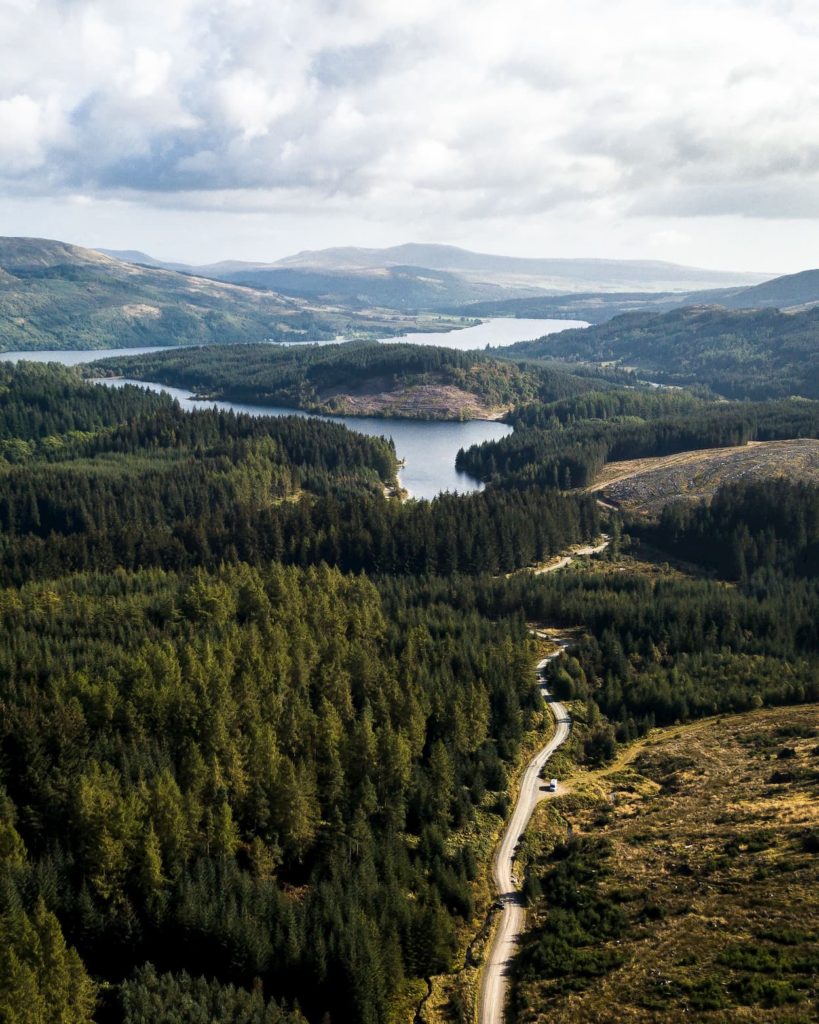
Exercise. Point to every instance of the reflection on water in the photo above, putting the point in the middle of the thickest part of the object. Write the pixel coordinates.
(427, 448)
(499, 332)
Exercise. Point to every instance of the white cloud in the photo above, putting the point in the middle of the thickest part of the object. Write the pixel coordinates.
(436, 112)
(28, 127)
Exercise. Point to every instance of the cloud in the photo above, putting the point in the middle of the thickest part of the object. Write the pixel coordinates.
(444, 110)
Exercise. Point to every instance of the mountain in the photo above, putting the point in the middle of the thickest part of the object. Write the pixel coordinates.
(417, 277)
(404, 288)
(792, 291)
(54, 295)
(216, 270)
(555, 275)
(738, 353)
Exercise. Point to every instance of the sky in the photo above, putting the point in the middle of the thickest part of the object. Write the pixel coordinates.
(201, 130)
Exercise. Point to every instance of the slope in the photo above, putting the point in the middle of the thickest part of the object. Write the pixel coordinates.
(59, 296)
(410, 381)
(697, 852)
(739, 354)
(441, 277)
(788, 292)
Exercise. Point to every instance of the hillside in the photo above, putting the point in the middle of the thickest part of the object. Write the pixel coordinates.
(594, 307)
(444, 277)
(790, 292)
(59, 296)
(405, 288)
(410, 381)
(692, 863)
(549, 274)
(739, 354)
(646, 485)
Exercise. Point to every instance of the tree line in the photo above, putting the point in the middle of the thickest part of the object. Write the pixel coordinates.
(565, 444)
(308, 376)
(748, 528)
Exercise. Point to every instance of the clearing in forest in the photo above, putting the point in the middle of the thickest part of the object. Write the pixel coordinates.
(647, 485)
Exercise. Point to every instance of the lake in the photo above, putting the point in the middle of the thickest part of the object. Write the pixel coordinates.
(428, 449)
(499, 333)
(73, 357)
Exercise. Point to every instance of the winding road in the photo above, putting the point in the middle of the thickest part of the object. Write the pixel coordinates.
(513, 914)
(532, 790)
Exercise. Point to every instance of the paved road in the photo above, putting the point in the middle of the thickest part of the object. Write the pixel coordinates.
(532, 790)
(513, 915)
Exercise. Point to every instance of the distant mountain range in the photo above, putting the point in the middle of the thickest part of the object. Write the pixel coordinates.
(57, 295)
(438, 277)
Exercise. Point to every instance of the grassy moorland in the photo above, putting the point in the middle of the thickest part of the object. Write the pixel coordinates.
(679, 882)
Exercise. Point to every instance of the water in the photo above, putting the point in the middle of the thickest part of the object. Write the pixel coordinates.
(499, 333)
(73, 357)
(427, 448)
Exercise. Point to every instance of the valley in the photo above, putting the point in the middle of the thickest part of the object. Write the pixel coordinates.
(409, 512)
(266, 714)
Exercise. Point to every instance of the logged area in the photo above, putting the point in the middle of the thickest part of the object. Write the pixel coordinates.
(647, 485)
(687, 890)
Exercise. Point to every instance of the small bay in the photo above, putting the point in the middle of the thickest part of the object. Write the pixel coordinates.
(426, 447)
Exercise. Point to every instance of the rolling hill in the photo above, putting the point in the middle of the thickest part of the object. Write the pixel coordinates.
(792, 291)
(738, 353)
(357, 378)
(443, 277)
(59, 296)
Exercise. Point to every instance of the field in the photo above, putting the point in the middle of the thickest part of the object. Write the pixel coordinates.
(646, 485)
(696, 857)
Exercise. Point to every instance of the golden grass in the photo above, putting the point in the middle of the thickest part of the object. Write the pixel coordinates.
(709, 861)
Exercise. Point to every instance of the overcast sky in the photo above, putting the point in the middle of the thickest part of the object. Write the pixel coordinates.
(206, 129)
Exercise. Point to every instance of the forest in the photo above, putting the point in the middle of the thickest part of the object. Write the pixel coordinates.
(254, 709)
(223, 750)
(317, 377)
(749, 528)
(739, 354)
(564, 444)
(124, 478)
